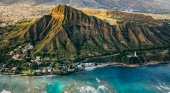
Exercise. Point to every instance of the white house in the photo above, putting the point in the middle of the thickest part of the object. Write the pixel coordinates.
(80, 66)
(38, 58)
(49, 69)
(30, 46)
(132, 55)
(71, 69)
(89, 64)
(38, 71)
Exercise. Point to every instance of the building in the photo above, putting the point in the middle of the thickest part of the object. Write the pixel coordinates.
(43, 70)
(5, 69)
(16, 56)
(135, 55)
(29, 47)
(89, 64)
(38, 71)
(80, 66)
(38, 58)
(11, 52)
(132, 55)
(24, 50)
(49, 69)
(46, 58)
(14, 70)
(71, 70)
(56, 71)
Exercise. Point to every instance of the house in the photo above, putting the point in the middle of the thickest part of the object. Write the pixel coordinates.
(3, 24)
(14, 70)
(38, 71)
(10, 23)
(49, 69)
(71, 70)
(46, 58)
(29, 47)
(15, 49)
(128, 55)
(11, 52)
(4, 65)
(80, 66)
(38, 58)
(89, 64)
(32, 61)
(5, 69)
(16, 56)
(19, 46)
(56, 71)
(43, 70)
(24, 50)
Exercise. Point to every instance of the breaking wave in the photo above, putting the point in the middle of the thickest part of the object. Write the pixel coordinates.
(98, 80)
(5, 91)
(90, 89)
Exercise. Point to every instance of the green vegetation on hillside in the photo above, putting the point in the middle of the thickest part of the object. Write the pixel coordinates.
(67, 37)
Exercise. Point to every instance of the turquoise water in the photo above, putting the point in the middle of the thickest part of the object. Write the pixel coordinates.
(146, 79)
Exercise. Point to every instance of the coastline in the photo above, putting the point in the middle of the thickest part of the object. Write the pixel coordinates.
(112, 64)
(117, 64)
(101, 78)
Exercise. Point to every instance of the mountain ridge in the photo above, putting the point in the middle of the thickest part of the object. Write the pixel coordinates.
(68, 33)
(154, 6)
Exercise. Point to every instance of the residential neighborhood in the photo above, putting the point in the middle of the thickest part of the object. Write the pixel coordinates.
(20, 53)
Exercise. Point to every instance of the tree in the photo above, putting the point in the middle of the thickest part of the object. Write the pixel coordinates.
(34, 65)
(123, 59)
(52, 65)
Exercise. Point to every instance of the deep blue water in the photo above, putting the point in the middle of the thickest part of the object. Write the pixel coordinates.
(146, 79)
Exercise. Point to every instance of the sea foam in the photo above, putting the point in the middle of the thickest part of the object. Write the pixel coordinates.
(5, 91)
(87, 89)
(98, 80)
(28, 90)
(165, 87)
(158, 88)
(27, 82)
(90, 89)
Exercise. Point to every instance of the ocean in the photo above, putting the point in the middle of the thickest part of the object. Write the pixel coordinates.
(144, 79)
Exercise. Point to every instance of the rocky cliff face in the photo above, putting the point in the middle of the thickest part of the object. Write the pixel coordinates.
(68, 33)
